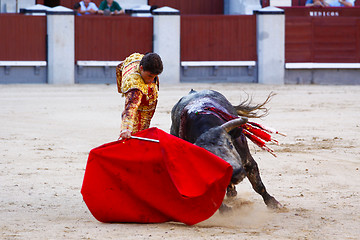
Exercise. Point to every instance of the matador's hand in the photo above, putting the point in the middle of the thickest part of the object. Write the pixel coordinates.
(125, 134)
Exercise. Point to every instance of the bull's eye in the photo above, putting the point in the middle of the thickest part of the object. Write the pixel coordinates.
(229, 144)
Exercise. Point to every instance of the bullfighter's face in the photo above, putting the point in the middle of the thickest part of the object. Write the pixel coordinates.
(147, 76)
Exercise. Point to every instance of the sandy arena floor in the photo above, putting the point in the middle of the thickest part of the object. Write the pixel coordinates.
(47, 132)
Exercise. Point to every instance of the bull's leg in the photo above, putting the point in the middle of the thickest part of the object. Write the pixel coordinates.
(231, 191)
(252, 172)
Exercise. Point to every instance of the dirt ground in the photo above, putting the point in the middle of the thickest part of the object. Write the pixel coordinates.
(47, 132)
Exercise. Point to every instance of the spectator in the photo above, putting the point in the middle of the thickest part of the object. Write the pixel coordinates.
(77, 9)
(341, 3)
(330, 3)
(108, 7)
(316, 3)
(88, 7)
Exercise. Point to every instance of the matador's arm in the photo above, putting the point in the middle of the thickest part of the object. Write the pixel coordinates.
(132, 103)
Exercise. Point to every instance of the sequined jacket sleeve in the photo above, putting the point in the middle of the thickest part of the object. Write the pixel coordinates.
(132, 103)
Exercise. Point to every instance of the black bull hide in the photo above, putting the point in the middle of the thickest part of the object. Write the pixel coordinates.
(194, 120)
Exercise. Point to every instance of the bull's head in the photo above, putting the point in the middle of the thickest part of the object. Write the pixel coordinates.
(219, 141)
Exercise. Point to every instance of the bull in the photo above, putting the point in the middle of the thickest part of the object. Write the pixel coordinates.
(199, 119)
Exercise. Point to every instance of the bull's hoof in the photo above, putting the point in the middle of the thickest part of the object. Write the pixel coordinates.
(272, 203)
(231, 191)
(224, 209)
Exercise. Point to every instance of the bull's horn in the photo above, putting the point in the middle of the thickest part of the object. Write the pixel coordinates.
(237, 122)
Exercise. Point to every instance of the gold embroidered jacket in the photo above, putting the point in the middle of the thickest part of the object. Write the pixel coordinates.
(141, 98)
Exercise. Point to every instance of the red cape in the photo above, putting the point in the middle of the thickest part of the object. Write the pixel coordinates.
(148, 182)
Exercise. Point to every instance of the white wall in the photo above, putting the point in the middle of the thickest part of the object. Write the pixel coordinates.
(61, 49)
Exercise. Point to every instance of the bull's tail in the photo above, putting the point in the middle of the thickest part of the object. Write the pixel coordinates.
(247, 109)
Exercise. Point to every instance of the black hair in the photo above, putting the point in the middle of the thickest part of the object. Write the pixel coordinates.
(151, 62)
(76, 6)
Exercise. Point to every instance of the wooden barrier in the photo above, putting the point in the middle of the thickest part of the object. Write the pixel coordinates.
(218, 38)
(65, 3)
(23, 38)
(189, 7)
(217, 46)
(186, 7)
(322, 35)
(301, 3)
(104, 38)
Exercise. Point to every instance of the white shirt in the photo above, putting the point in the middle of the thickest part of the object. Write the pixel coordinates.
(91, 6)
(335, 3)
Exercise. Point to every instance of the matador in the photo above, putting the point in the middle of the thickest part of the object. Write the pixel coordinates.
(137, 80)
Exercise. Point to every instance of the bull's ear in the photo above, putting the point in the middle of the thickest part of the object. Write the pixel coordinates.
(236, 132)
(237, 122)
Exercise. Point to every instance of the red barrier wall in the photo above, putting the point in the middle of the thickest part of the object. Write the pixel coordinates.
(218, 38)
(23, 38)
(65, 3)
(188, 7)
(325, 35)
(185, 6)
(107, 38)
(295, 3)
(312, 35)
